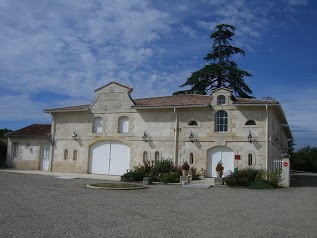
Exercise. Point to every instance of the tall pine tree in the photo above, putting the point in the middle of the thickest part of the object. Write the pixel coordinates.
(221, 70)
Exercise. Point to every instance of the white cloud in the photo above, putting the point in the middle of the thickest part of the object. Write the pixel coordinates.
(21, 107)
(298, 2)
(189, 31)
(70, 48)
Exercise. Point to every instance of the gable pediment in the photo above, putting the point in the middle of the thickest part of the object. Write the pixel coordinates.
(112, 97)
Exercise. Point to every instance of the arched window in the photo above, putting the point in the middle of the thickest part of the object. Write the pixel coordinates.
(221, 121)
(145, 157)
(65, 154)
(193, 123)
(191, 158)
(97, 126)
(123, 124)
(157, 156)
(221, 100)
(250, 163)
(75, 155)
(250, 123)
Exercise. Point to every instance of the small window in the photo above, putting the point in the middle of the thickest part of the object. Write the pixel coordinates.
(250, 123)
(221, 100)
(193, 123)
(123, 125)
(75, 155)
(65, 154)
(97, 126)
(221, 121)
(250, 163)
(157, 156)
(145, 157)
(191, 158)
(15, 150)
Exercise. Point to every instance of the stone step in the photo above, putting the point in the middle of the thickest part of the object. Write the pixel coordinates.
(208, 181)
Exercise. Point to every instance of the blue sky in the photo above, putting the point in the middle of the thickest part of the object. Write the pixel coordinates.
(56, 53)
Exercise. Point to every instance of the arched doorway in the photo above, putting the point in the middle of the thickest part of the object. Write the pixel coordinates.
(109, 157)
(216, 154)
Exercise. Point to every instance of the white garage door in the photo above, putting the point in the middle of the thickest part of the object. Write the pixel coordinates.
(223, 154)
(109, 157)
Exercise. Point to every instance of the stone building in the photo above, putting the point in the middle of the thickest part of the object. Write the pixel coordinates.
(116, 133)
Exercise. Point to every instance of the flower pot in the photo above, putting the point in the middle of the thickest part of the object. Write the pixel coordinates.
(185, 172)
(219, 174)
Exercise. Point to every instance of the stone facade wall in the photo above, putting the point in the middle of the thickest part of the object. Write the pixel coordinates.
(168, 132)
(29, 152)
(160, 125)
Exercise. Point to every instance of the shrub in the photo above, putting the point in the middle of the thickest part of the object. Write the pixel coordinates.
(170, 178)
(133, 176)
(163, 166)
(162, 171)
(261, 184)
(274, 177)
(196, 175)
(254, 178)
(243, 177)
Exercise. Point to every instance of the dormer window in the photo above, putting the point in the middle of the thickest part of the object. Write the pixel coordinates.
(250, 123)
(221, 100)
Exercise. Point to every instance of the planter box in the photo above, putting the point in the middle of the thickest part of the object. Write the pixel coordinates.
(147, 181)
(184, 179)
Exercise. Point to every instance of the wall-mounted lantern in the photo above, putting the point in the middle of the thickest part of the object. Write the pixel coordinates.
(250, 137)
(75, 136)
(192, 136)
(145, 137)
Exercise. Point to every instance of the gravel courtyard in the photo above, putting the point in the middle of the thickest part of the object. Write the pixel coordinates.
(44, 206)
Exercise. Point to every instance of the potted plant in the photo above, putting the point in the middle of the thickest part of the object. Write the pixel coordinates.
(219, 169)
(185, 168)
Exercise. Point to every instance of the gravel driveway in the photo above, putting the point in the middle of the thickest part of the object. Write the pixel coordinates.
(43, 206)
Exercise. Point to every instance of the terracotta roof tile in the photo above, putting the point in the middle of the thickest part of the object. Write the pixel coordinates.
(32, 130)
(175, 100)
(254, 101)
(70, 108)
(171, 101)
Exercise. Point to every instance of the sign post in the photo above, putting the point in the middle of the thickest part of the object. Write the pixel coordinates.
(286, 170)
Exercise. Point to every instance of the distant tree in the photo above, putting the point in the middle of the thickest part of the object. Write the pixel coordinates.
(291, 145)
(3, 132)
(3, 146)
(305, 159)
(221, 70)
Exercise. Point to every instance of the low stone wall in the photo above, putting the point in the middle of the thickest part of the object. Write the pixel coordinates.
(26, 164)
(68, 167)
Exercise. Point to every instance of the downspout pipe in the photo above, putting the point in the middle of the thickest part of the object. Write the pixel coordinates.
(176, 138)
(52, 142)
(267, 138)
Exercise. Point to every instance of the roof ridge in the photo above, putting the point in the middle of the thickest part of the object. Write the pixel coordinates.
(120, 84)
(174, 96)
